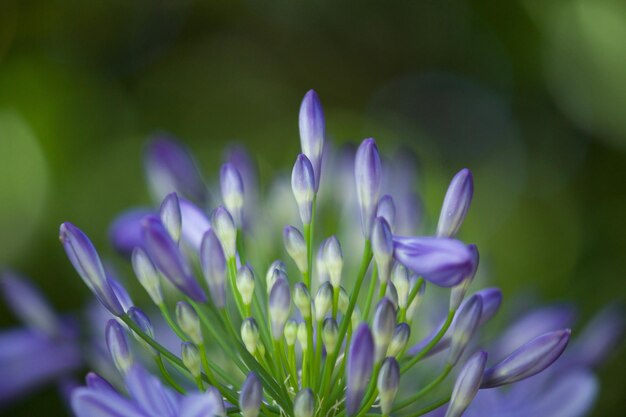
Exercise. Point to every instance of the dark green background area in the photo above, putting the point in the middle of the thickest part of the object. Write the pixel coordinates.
(530, 96)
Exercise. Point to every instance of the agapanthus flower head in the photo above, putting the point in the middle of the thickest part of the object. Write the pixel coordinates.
(345, 346)
(232, 188)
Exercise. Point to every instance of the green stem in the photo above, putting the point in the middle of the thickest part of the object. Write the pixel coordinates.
(232, 278)
(370, 293)
(419, 394)
(159, 361)
(415, 359)
(430, 407)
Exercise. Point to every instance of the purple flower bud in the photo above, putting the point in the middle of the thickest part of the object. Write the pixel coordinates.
(86, 262)
(213, 265)
(492, 299)
(442, 261)
(458, 292)
(359, 368)
(272, 275)
(28, 304)
(195, 223)
(388, 384)
(304, 403)
(383, 326)
(312, 132)
(171, 217)
(535, 323)
(467, 384)
(279, 303)
(126, 232)
(118, 346)
(387, 210)
(320, 265)
(399, 339)
(225, 230)
(333, 260)
(303, 187)
(368, 174)
(465, 325)
(171, 168)
(246, 166)
(188, 320)
(296, 247)
(121, 293)
(147, 275)
(96, 383)
(232, 191)
(251, 396)
(455, 204)
(167, 258)
(382, 247)
(527, 360)
(141, 320)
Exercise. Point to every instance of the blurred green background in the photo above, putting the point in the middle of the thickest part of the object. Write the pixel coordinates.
(530, 95)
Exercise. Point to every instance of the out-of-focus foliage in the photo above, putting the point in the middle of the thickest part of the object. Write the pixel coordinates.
(527, 94)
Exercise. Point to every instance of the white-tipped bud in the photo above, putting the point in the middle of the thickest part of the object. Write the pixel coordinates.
(302, 299)
(304, 404)
(303, 187)
(399, 340)
(231, 185)
(260, 347)
(191, 358)
(147, 275)
(250, 334)
(118, 346)
(392, 294)
(225, 229)
(400, 279)
(388, 384)
(245, 283)
(272, 275)
(188, 320)
(296, 247)
(383, 326)
(171, 216)
(291, 332)
(323, 301)
(303, 337)
(320, 265)
(333, 259)
(330, 333)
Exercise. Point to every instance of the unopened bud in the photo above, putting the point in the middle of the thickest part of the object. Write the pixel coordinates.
(250, 334)
(333, 259)
(302, 299)
(147, 275)
(304, 403)
(323, 300)
(191, 358)
(330, 332)
(225, 229)
(296, 247)
(188, 320)
(303, 337)
(291, 332)
(118, 346)
(383, 327)
(171, 217)
(245, 283)
(388, 384)
(399, 340)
